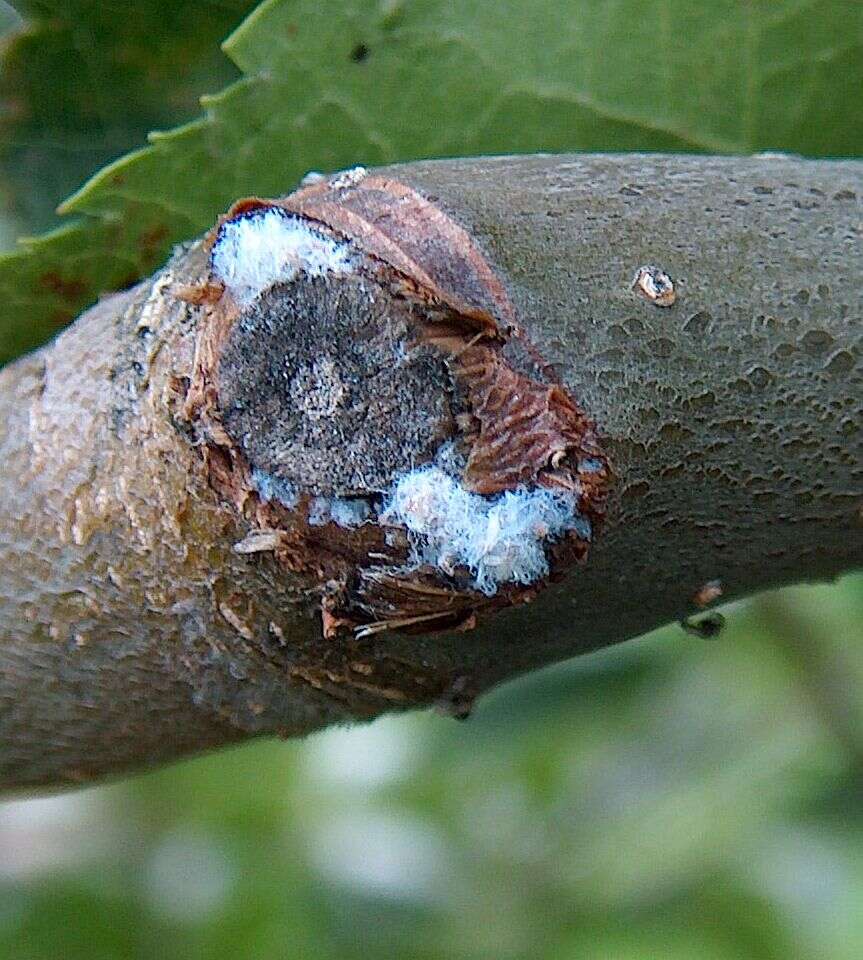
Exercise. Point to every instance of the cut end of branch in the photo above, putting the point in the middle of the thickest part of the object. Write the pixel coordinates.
(365, 396)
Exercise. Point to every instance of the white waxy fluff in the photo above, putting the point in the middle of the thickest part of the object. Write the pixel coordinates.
(341, 510)
(254, 251)
(345, 511)
(499, 539)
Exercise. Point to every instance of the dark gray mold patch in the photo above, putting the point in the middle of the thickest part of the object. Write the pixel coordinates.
(322, 388)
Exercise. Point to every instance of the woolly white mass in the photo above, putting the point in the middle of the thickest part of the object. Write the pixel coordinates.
(258, 249)
(499, 539)
(345, 511)
(341, 510)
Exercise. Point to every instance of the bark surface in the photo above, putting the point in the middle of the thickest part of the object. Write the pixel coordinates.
(134, 633)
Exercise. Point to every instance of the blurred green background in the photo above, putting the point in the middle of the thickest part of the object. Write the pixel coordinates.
(671, 798)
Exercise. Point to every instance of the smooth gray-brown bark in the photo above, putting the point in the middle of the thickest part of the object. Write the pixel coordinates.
(133, 633)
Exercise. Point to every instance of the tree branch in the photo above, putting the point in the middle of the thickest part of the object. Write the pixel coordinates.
(132, 630)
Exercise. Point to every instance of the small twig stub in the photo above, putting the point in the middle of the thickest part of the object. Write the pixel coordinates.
(655, 285)
(707, 593)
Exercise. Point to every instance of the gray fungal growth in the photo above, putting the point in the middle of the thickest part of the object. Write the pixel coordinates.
(322, 391)
(272, 488)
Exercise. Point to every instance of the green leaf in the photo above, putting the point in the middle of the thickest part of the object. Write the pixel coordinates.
(84, 82)
(371, 81)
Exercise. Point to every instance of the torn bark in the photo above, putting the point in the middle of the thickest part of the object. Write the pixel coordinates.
(147, 614)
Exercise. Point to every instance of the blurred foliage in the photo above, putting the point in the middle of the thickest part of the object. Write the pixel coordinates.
(328, 85)
(83, 83)
(672, 798)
